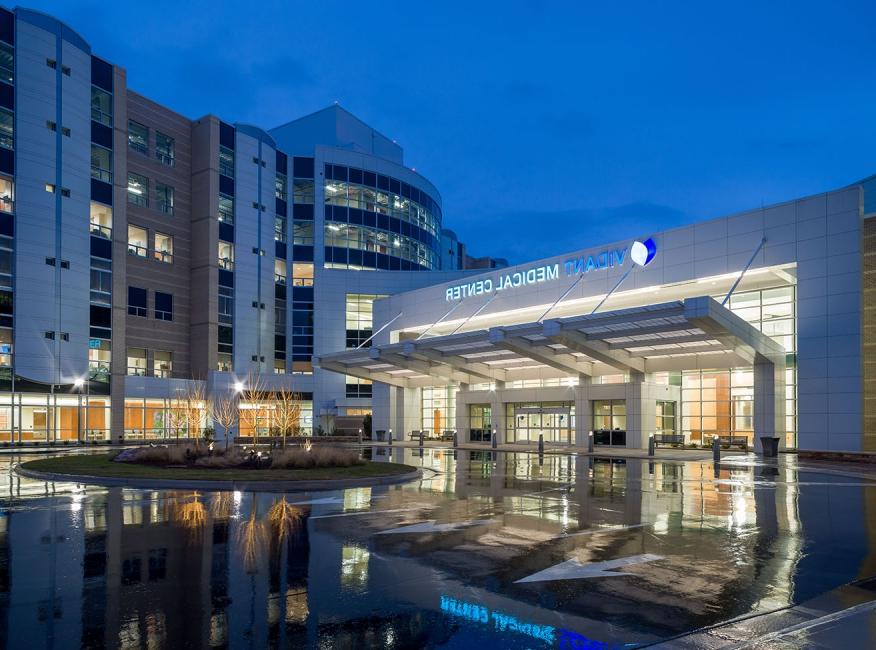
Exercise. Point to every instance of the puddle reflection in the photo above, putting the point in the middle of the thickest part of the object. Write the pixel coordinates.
(130, 568)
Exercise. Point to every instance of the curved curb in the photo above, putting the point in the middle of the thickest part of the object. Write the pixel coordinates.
(242, 486)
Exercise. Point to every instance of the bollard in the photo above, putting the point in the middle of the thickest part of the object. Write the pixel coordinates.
(652, 445)
(455, 440)
(390, 436)
(421, 438)
(493, 442)
(716, 450)
(540, 443)
(590, 443)
(360, 436)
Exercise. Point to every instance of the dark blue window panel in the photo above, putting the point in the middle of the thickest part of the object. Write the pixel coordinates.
(382, 182)
(226, 135)
(382, 261)
(369, 219)
(383, 221)
(137, 297)
(7, 224)
(339, 214)
(405, 265)
(339, 255)
(329, 172)
(226, 185)
(280, 249)
(415, 195)
(340, 173)
(226, 232)
(101, 247)
(301, 357)
(302, 253)
(394, 264)
(395, 186)
(7, 26)
(101, 316)
(279, 355)
(226, 335)
(7, 161)
(279, 342)
(369, 179)
(406, 190)
(303, 212)
(226, 278)
(394, 225)
(280, 207)
(356, 176)
(280, 291)
(356, 216)
(329, 212)
(405, 228)
(355, 257)
(102, 74)
(302, 167)
(302, 293)
(282, 162)
(225, 348)
(101, 134)
(7, 96)
(369, 259)
(97, 333)
(101, 191)
(302, 318)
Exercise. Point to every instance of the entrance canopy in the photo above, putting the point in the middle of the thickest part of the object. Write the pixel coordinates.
(678, 335)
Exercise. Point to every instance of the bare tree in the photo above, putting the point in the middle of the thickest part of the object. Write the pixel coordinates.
(195, 404)
(224, 412)
(287, 412)
(255, 394)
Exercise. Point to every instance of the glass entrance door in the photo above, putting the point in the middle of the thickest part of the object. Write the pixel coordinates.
(554, 421)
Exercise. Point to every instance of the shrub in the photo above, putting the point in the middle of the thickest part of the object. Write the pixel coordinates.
(300, 458)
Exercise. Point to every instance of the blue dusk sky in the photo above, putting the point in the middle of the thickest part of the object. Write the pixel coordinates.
(546, 126)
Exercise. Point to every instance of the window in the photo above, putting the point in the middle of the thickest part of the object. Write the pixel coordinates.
(138, 137)
(226, 256)
(101, 106)
(281, 187)
(138, 190)
(163, 305)
(101, 164)
(302, 233)
(665, 417)
(164, 198)
(226, 305)
(279, 366)
(6, 129)
(226, 161)
(163, 248)
(7, 65)
(279, 229)
(137, 301)
(162, 364)
(99, 357)
(101, 220)
(358, 388)
(50, 188)
(360, 318)
(223, 362)
(138, 241)
(137, 362)
(609, 422)
(101, 281)
(280, 271)
(7, 194)
(165, 151)
(226, 209)
(302, 275)
(302, 191)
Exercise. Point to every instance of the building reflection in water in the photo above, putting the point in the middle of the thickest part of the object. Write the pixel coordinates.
(130, 568)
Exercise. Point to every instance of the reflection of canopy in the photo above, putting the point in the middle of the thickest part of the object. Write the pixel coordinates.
(685, 334)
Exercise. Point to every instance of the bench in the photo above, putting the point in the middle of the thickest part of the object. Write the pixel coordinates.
(415, 436)
(673, 439)
(447, 435)
(730, 441)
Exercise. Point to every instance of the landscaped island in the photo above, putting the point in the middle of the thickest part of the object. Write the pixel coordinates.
(177, 465)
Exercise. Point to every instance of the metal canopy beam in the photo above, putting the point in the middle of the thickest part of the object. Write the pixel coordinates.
(361, 373)
(422, 367)
(545, 355)
(599, 350)
(471, 367)
(666, 340)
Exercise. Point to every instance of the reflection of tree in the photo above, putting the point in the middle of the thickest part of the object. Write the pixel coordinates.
(284, 518)
(221, 505)
(252, 535)
(189, 513)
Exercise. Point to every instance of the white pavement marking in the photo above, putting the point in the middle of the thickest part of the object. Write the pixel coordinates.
(574, 570)
(432, 527)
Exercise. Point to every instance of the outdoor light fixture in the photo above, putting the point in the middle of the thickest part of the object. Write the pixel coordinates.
(238, 386)
(79, 382)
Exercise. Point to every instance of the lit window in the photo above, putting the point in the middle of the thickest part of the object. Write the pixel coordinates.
(138, 190)
(226, 209)
(280, 187)
(302, 275)
(138, 241)
(138, 137)
(280, 271)
(137, 362)
(164, 198)
(6, 129)
(101, 106)
(163, 247)
(302, 191)
(280, 229)
(162, 363)
(279, 366)
(101, 220)
(7, 194)
(101, 163)
(226, 161)
(302, 233)
(7, 65)
(226, 256)
(165, 150)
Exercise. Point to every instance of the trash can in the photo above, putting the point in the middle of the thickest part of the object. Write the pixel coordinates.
(770, 446)
(381, 434)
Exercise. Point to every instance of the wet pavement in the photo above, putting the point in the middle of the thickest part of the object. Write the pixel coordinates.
(488, 549)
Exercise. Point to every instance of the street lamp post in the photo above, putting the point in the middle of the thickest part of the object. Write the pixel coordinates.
(238, 391)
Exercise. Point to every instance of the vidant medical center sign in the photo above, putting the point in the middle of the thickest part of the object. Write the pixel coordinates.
(640, 253)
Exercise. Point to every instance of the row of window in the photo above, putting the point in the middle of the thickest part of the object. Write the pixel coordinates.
(138, 244)
(138, 140)
(386, 203)
(138, 363)
(341, 235)
(138, 193)
(137, 304)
